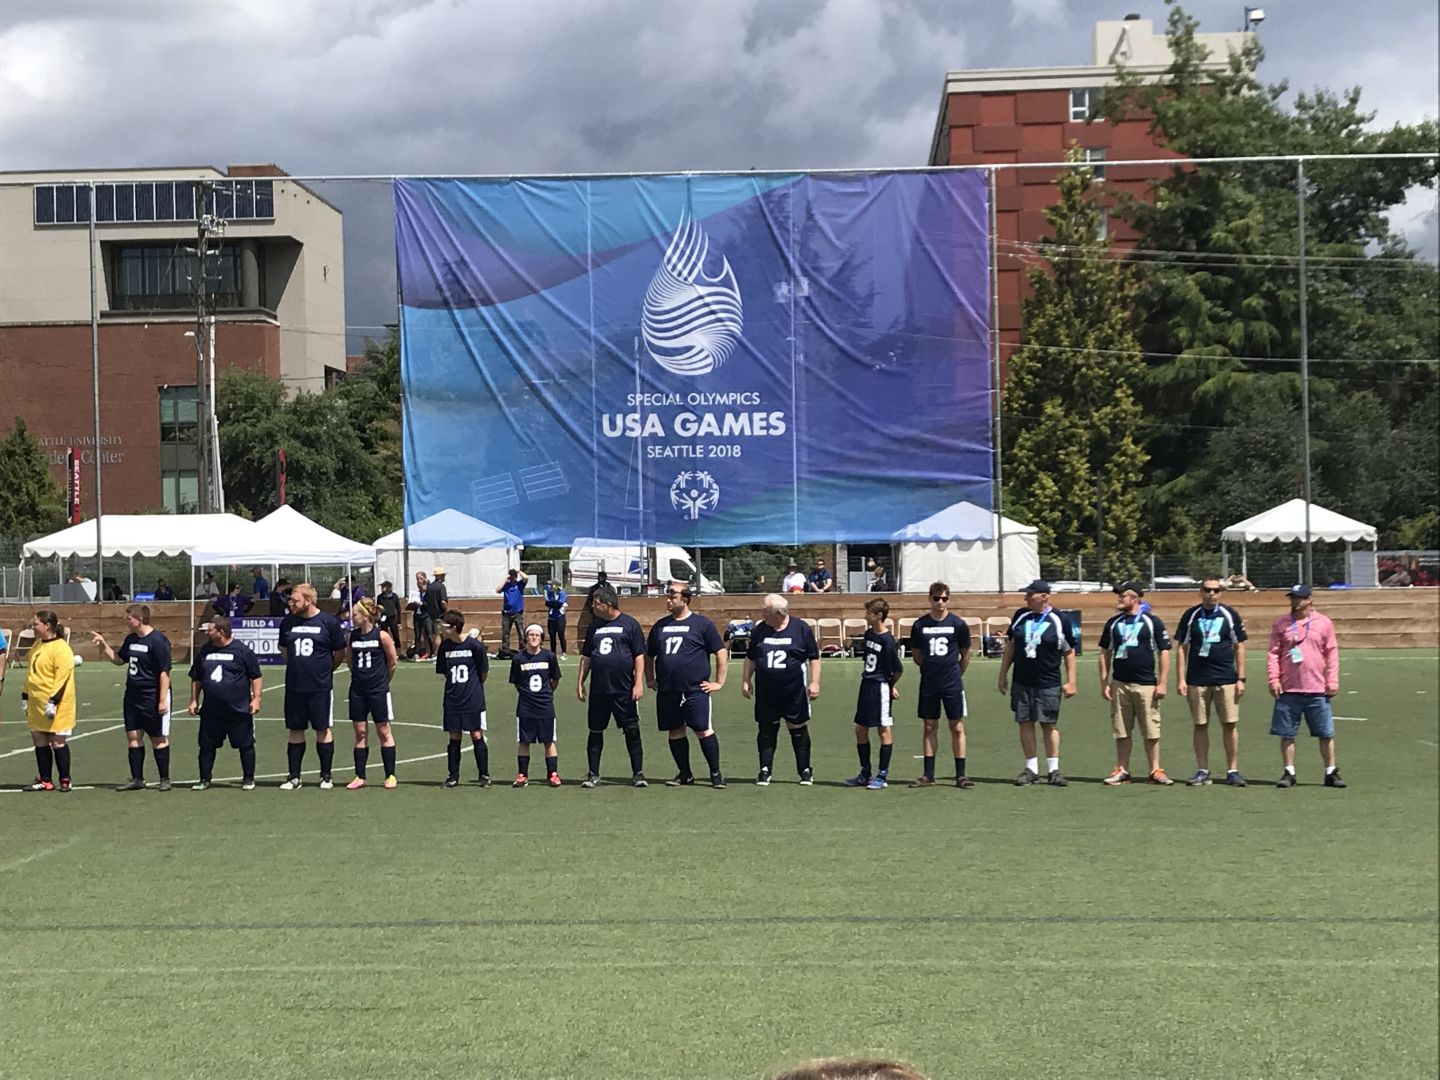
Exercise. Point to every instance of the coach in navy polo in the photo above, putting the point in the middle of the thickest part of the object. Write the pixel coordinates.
(1210, 675)
(1036, 646)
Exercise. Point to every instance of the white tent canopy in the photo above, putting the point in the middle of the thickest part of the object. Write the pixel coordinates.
(474, 553)
(136, 534)
(1286, 522)
(284, 536)
(958, 545)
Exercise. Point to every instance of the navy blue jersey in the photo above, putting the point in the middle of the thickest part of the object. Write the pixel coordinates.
(1040, 641)
(780, 656)
(1134, 640)
(368, 669)
(938, 643)
(311, 646)
(681, 651)
(612, 647)
(464, 664)
(1209, 638)
(882, 657)
(534, 676)
(224, 673)
(146, 657)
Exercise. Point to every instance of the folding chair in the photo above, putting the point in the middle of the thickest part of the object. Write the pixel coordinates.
(21, 643)
(977, 630)
(996, 626)
(902, 634)
(853, 631)
(829, 632)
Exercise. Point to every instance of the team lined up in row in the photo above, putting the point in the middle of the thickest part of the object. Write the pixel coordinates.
(684, 660)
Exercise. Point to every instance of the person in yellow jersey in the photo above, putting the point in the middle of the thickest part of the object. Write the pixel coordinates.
(49, 701)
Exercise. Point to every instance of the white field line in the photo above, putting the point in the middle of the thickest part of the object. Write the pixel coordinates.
(23, 860)
(308, 772)
(73, 738)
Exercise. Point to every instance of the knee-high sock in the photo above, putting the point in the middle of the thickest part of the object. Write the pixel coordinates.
(800, 740)
(362, 755)
(326, 750)
(636, 746)
(207, 762)
(552, 764)
(295, 755)
(766, 737)
(387, 758)
(594, 746)
(482, 757)
(452, 758)
(247, 762)
(523, 761)
(45, 762)
(710, 747)
(162, 761)
(680, 751)
(885, 752)
(136, 754)
(863, 749)
(62, 762)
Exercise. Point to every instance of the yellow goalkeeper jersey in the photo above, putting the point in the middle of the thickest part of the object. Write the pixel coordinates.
(52, 666)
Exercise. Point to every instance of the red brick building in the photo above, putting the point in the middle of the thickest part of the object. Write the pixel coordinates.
(1026, 115)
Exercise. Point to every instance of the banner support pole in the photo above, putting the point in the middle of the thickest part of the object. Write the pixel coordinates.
(995, 393)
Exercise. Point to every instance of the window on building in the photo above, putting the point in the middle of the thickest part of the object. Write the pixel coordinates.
(1095, 158)
(1085, 103)
(161, 277)
(1102, 227)
(153, 200)
(179, 464)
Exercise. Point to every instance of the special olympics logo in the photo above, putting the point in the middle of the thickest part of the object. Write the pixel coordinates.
(691, 321)
(692, 492)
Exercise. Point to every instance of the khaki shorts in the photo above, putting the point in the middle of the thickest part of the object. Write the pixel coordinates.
(1220, 698)
(1131, 703)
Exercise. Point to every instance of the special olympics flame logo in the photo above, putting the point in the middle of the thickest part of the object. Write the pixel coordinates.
(691, 320)
(691, 492)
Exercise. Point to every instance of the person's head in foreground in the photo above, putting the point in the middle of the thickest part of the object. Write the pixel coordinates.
(843, 1069)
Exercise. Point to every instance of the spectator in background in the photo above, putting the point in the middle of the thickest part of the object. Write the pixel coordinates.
(512, 608)
(232, 605)
(259, 588)
(757, 584)
(794, 580)
(820, 579)
(209, 587)
(881, 581)
(1398, 580)
(1239, 583)
(163, 591)
(1303, 666)
(280, 598)
(437, 603)
(424, 629)
(388, 601)
(556, 604)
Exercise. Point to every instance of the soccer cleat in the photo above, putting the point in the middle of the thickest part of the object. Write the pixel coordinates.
(1287, 779)
(41, 785)
(923, 781)
(451, 782)
(1200, 778)
(132, 784)
(1057, 779)
(859, 780)
(326, 783)
(717, 780)
(1159, 777)
(1116, 778)
(1332, 779)
(1234, 779)
(807, 778)
(65, 783)
(1027, 777)
(200, 785)
(590, 781)
(483, 781)
(638, 780)
(964, 783)
(248, 784)
(391, 783)
(763, 780)
(291, 784)
(521, 780)
(356, 784)
(680, 780)
(164, 784)
(553, 779)
(877, 783)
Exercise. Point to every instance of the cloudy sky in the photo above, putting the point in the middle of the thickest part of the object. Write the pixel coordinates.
(345, 87)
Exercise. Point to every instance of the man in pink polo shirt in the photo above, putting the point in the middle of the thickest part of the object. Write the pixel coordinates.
(1303, 666)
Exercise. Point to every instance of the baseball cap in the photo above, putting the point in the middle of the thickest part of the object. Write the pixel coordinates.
(1299, 590)
(1038, 585)
(439, 571)
(1130, 586)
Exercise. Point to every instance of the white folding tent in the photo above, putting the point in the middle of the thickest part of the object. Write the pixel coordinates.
(1286, 524)
(958, 545)
(474, 553)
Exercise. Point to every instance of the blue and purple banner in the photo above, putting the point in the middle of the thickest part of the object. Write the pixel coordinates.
(702, 360)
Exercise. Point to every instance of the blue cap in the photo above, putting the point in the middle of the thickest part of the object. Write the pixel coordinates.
(1299, 590)
(1037, 586)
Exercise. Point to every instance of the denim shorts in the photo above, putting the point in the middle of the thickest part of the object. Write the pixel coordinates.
(1285, 720)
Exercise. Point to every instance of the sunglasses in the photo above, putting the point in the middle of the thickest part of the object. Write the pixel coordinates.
(1206, 588)
(939, 599)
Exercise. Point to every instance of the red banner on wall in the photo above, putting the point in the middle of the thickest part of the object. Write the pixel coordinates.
(72, 461)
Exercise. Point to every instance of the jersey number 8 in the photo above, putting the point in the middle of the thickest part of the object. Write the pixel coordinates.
(537, 683)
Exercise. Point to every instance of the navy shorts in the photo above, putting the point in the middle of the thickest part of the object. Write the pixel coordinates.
(472, 722)
(603, 706)
(675, 709)
(533, 729)
(772, 708)
(375, 705)
(1315, 708)
(872, 710)
(219, 724)
(308, 710)
(143, 714)
(931, 700)
(1040, 704)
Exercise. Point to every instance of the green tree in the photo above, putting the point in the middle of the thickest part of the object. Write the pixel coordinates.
(31, 502)
(1073, 425)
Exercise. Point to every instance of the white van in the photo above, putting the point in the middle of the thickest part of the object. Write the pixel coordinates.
(624, 565)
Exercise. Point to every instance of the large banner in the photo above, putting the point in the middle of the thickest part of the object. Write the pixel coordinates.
(703, 360)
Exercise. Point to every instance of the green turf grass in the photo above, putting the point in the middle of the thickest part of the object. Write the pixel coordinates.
(1089, 932)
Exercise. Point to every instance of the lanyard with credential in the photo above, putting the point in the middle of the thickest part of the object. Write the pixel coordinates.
(1034, 632)
(1129, 631)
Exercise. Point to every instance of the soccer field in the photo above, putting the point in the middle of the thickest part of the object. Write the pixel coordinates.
(1089, 932)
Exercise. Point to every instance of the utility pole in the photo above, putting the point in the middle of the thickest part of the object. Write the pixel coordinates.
(208, 226)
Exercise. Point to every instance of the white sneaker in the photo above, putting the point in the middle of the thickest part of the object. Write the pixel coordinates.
(325, 783)
(292, 784)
